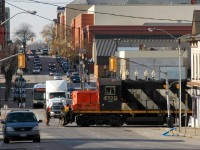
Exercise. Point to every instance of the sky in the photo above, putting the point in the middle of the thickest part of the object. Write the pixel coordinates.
(36, 23)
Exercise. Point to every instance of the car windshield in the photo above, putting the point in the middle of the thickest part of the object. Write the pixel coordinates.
(54, 70)
(58, 95)
(21, 117)
(56, 107)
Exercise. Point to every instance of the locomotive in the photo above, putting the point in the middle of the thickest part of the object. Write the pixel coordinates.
(132, 102)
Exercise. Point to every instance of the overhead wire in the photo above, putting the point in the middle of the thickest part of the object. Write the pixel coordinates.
(25, 1)
(112, 14)
(35, 1)
(104, 13)
(27, 11)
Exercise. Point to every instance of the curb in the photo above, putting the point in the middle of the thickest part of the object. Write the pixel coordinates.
(189, 136)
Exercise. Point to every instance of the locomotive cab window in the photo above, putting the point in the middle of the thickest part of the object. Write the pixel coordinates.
(110, 90)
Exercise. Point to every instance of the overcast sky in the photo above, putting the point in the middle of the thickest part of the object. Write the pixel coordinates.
(37, 23)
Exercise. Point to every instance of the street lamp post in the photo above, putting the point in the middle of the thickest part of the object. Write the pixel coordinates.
(29, 12)
(179, 52)
(136, 74)
(153, 74)
(127, 74)
(120, 74)
(104, 68)
(83, 75)
(20, 73)
(79, 60)
(146, 74)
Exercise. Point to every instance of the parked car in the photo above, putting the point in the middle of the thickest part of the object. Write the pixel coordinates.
(69, 72)
(36, 70)
(76, 79)
(65, 68)
(64, 63)
(21, 125)
(57, 76)
(61, 60)
(75, 74)
(58, 57)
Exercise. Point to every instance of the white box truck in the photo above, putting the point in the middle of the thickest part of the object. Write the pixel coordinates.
(56, 92)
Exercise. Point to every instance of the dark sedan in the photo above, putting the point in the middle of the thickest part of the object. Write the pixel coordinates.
(76, 79)
(21, 125)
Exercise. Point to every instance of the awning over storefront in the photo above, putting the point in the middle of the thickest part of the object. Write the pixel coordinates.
(193, 84)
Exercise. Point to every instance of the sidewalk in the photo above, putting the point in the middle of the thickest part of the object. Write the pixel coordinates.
(188, 132)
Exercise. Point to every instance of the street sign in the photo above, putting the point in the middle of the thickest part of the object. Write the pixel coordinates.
(5, 106)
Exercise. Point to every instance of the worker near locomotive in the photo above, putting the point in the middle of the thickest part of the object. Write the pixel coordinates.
(132, 102)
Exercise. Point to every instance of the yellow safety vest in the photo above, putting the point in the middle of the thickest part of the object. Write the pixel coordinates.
(66, 108)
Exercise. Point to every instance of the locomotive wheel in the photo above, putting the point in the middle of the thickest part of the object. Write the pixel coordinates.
(116, 121)
(82, 121)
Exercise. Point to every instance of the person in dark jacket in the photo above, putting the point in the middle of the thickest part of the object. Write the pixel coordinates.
(48, 116)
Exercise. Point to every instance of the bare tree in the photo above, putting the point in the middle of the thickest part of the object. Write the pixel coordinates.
(48, 31)
(24, 34)
(48, 34)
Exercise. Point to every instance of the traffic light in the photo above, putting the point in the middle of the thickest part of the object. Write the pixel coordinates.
(21, 61)
(113, 64)
(164, 85)
(177, 85)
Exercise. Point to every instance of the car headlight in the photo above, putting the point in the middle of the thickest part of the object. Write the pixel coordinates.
(36, 128)
(9, 129)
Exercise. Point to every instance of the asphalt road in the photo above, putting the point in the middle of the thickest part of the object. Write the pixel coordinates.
(72, 137)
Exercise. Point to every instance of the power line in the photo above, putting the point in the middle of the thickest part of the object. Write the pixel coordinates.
(27, 11)
(112, 14)
(46, 3)
(25, 1)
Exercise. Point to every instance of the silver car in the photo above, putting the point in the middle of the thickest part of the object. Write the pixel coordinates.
(57, 76)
